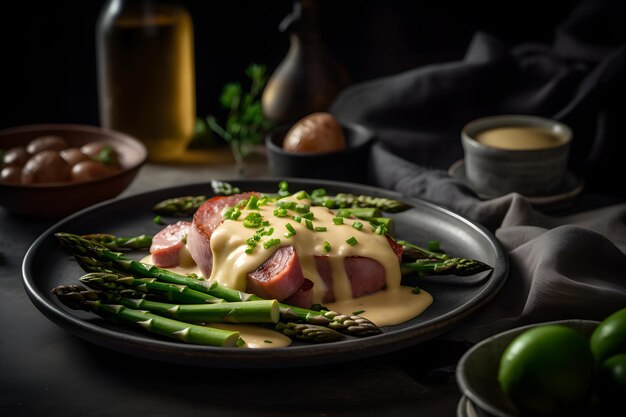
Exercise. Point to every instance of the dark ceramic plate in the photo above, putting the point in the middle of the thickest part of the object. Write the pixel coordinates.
(46, 266)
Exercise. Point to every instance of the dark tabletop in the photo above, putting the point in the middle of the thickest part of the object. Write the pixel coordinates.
(47, 371)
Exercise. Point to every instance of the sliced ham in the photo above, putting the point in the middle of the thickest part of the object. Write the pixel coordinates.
(303, 297)
(206, 219)
(279, 277)
(167, 244)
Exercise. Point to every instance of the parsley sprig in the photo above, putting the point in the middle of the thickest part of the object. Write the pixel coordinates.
(245, 123)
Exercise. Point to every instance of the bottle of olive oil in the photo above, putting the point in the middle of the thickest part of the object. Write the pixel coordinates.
(146, 76)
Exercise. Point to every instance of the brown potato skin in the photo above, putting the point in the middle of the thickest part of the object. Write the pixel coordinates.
(89, 170)
(73, 156)
(16, 156)
(316, 133)
(46, 143)
(11, 174)
(45, 166)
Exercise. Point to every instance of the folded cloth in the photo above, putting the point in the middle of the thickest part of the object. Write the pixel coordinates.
(561, 266)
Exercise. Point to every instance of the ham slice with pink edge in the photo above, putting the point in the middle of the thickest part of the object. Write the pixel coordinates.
(166, 245)
(279, 277)
(206, 219)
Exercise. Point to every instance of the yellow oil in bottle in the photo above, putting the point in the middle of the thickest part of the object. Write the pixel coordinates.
(146, 75)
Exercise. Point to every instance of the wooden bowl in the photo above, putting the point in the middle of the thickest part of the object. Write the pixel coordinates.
(55, 200)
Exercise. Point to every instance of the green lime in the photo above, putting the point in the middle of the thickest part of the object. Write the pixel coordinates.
(613, 374)
(547, 369)
(609, 338)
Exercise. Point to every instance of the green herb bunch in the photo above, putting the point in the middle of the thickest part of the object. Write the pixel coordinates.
(245, 123)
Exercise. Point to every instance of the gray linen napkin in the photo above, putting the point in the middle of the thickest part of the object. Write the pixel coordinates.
(561, 267)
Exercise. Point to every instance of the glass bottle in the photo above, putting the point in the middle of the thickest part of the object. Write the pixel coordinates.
(146, 76)
(309, 78)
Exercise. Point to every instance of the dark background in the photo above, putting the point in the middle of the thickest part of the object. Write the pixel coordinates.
(48, 68)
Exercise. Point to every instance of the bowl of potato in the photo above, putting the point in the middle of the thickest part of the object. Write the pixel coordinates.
(319, 146)
(53, 170)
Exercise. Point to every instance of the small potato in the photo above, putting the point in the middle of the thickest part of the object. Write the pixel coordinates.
(16, 156)
(102, 152)
(45, 166)
(89, 170)
(11, 175)
(318, 132)
(46, 143)
(73, 156)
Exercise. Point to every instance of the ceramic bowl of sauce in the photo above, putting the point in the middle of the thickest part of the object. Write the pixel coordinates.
(516, 153)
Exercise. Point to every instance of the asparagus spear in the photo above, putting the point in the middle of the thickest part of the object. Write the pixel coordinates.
(308, 332)
(411, 252)
(262, 311)
(451, 266)
(179, 206)
(75, 297)
(121, 243)
(350, 324)
(345, 200)
(187, 205)
(109, 280)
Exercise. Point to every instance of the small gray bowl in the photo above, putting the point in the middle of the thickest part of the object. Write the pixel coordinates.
(477, 370)
(530, 172)
(349, 164)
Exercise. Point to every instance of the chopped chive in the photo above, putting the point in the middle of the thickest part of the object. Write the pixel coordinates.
(381, 229)
(344, 213)
(320, 229)
(357, 225)
(302, 208)
(433, 246)
(328, 203)
(352, 241)
(253, 220)
(267, 341)
(356, 313)
(235, 214)
(283, 186)
(289, 205)
(297, 219)
(338, 220)
(310, 215)
(326, 246)
(262, 201)
(309, 224)
(253, 203)
(227, 212)
(290, 229)
(303, 195)
(319, 192)
(416, 290)
(281, 212)
(271, 243)
(158, 220)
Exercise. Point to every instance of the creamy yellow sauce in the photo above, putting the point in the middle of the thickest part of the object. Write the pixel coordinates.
(519, 138)
(231, 263)
(386, 307)
(256, 337)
